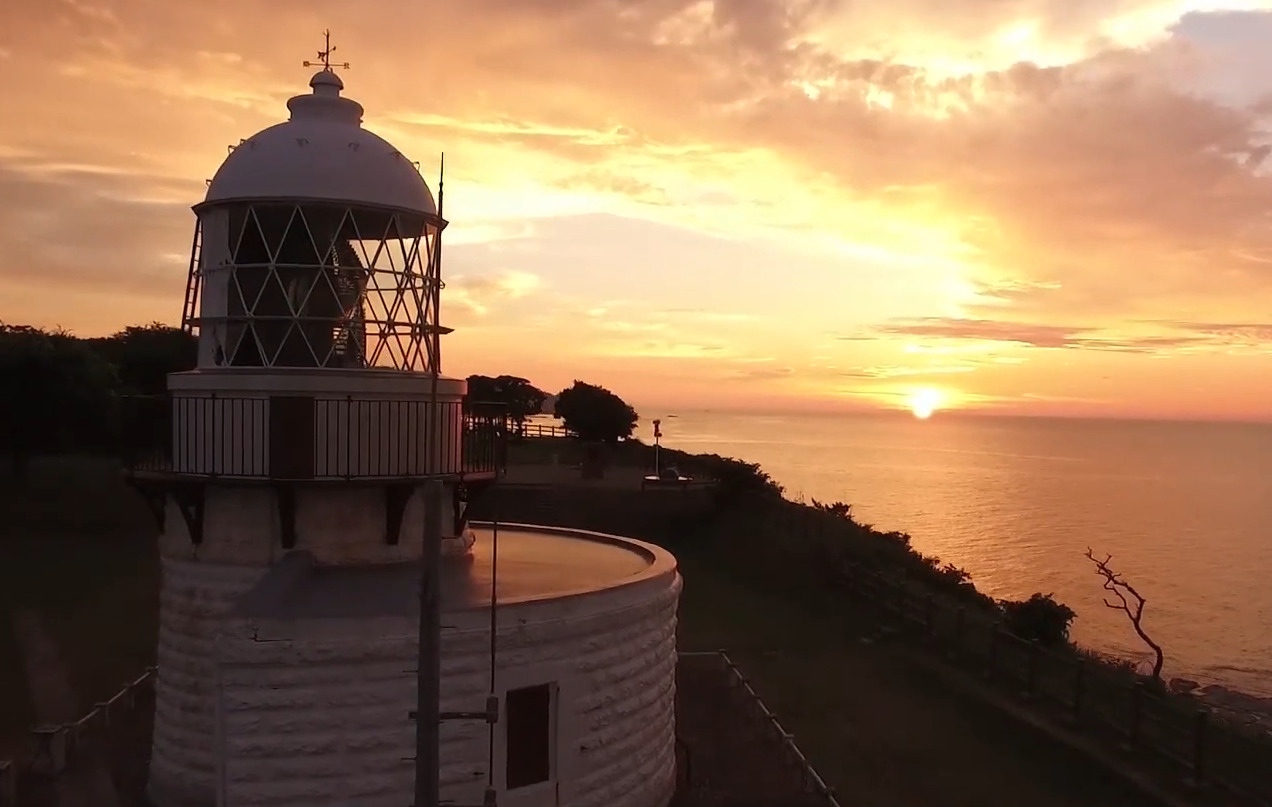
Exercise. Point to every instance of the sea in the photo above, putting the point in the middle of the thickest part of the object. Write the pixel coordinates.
(1184, 509)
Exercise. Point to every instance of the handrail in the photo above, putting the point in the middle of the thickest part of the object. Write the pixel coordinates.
(311, 437)
(1088, 695)
(50, 750)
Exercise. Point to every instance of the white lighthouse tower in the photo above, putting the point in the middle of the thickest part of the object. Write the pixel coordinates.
(315, 409)
(312, 640)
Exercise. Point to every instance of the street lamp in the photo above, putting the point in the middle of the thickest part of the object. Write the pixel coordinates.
(657, 437)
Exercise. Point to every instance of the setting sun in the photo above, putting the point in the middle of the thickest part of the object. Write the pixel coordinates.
(925, 401)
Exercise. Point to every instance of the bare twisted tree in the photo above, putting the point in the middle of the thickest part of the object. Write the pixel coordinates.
(1133, 607)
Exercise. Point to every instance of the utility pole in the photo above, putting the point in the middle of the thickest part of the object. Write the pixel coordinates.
(429, 666)
(428, 677)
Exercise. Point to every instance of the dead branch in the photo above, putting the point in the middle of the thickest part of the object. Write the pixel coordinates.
(1133, 607)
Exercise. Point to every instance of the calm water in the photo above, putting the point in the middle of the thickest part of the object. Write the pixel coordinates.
(1185, 509)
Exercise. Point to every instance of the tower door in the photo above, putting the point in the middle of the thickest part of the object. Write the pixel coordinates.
(291, 437)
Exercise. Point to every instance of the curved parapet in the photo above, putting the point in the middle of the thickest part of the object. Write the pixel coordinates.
(314, 683)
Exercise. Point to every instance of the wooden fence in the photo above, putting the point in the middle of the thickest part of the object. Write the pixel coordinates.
(541, 430)
(51, 750)
(1095, 697)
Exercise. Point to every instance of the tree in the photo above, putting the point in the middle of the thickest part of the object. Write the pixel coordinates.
(58, 394)
(594, 413)
(1119, 588)
(1038, 619)
(144, 355)
(520, 398)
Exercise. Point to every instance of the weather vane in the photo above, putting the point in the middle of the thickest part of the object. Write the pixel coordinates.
(324, 56)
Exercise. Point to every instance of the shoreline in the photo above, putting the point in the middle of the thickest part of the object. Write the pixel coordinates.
(1216, 694)
(1247, 690)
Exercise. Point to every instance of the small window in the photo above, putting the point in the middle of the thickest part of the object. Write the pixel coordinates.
(528, 713)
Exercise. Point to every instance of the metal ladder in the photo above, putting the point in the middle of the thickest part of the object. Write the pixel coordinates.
(190, 308)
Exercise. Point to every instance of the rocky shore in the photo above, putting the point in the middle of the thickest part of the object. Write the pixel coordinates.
(1249, 710)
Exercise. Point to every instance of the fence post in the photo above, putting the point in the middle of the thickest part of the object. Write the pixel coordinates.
(1079, 687)
(1031, 671)
(929, 614)
(1137, 709)
(991, 661)
(1199, 748)
(960, 628)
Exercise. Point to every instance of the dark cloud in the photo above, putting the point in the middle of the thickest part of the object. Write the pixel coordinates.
(94, 230)
(1178, 335)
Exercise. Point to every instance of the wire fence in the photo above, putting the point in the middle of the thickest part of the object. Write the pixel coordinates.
(744, 696)
(1093, 696)
(50, 751)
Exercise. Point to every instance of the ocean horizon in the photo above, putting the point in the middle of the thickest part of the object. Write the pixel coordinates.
(1183, 507)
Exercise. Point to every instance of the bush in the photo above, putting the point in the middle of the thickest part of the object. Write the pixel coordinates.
(1038, 619)
(890, 552)
(594, 413)
(58, 394)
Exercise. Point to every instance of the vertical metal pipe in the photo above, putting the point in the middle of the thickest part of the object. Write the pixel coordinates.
(429, 668)
(427, 722)
(494, 634)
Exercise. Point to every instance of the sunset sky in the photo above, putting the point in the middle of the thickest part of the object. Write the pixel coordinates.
(1042, 206)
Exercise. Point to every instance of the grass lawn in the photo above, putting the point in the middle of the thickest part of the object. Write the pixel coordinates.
(78, 546)
(878, 728)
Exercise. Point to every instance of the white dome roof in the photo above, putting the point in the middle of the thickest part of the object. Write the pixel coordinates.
(322, 153)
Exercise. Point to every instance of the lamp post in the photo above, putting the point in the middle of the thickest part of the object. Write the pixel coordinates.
(657, 437)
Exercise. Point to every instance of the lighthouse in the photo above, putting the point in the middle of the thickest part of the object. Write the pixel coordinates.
(332, 631)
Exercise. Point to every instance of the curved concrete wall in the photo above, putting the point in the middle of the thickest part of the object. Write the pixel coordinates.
(314, 711)
(200, 585)
(192, 601)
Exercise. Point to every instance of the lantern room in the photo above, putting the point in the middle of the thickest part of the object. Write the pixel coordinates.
(317, 247)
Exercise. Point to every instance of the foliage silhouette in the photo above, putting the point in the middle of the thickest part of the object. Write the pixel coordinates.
(595, 414)
(58, 394)
(144, 355)
(520, 398)
(1038, 619)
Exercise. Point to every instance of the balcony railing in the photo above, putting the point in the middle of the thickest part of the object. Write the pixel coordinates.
(311, 438)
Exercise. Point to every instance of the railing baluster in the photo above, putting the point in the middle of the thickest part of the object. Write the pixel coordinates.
(348, 421)
(209, 435)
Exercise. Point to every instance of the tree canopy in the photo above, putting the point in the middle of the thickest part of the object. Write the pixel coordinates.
(144, 355)
(58, 393)
(594, 413)
(520, 398)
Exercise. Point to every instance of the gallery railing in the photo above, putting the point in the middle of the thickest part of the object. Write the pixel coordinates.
(310, 438)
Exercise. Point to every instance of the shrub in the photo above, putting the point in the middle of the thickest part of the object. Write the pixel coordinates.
(1038, 619)
(594, 413)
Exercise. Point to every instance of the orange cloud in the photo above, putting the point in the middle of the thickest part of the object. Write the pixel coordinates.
(983, 179)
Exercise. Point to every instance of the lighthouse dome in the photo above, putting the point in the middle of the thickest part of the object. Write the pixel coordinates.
(322, 153)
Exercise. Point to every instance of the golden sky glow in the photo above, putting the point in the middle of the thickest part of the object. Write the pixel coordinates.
(1050, 206)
